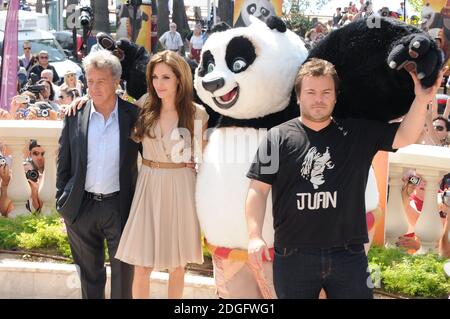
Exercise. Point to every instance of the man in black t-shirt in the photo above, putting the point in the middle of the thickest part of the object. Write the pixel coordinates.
(317, 167)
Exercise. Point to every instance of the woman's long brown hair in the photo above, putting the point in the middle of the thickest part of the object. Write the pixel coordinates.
(151, 110)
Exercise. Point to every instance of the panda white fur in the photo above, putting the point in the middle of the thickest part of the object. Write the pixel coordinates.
(245, 73)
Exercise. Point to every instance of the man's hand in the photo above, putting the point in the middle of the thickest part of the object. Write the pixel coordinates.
(34, 186)
(5, 175)
(4, 115)
(426, 95)
(408, 242)
(76, 105)
(256, 248)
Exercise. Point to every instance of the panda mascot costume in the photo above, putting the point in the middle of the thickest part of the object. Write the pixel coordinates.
(246, 79)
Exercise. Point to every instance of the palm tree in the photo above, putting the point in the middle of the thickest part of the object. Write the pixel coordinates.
(101, 15)
(163, 17)
(39, 6)
(225, 11)
(180, 18)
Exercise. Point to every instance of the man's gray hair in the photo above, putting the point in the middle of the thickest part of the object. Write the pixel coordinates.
(47, 71)
(102, 60)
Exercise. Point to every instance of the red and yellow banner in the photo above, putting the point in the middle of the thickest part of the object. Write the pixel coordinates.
(126, 21)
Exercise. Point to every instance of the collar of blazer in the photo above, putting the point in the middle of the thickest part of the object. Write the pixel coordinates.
(124, 127)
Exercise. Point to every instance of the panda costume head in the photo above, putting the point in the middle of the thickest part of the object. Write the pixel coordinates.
(261, 9)
(248, 73)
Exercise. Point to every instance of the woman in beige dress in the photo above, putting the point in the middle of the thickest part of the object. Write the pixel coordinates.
(162, 231)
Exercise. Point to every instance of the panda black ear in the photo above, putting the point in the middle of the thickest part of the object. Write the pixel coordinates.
(274, 22)
(220, 27)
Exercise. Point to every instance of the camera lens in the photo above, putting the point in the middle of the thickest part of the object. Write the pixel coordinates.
(32, 175)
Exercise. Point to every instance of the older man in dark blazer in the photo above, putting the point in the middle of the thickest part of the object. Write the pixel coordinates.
(97, 172)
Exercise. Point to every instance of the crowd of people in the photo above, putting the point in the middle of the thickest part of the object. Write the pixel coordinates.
(344, 16)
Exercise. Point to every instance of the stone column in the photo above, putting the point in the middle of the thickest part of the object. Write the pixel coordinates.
(18, 190)
(429, 226)
(47, 189)
(396, 222)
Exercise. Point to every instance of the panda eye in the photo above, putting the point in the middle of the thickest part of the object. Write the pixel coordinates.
(238, 65)
(265, 12)
(210, 67)
(251, 9)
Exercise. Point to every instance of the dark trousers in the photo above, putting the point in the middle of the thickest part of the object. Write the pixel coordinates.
(97, 222)
(341, 271)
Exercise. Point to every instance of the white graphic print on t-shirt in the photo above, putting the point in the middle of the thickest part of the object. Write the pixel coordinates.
(313, 166)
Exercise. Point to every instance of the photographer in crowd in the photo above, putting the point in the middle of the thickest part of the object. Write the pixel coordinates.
(441, 127)
(413, 194)
(43, 108)
(5, 178)
(48, 75)
(34, 168)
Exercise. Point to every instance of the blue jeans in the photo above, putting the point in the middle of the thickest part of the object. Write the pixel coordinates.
(341, 271)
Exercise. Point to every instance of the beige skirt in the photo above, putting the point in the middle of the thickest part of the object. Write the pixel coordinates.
(162, 231)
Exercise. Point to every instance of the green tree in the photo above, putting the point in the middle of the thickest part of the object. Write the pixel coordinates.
(298, 23)
(301, 5)
(416, 4)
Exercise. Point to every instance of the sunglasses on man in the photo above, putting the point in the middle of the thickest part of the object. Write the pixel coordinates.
(27, 48)
(439, 128)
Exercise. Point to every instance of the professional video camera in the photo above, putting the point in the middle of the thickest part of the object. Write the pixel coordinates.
(31, 85)
(86, 17)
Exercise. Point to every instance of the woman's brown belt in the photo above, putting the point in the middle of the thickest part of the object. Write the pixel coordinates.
(162, 164)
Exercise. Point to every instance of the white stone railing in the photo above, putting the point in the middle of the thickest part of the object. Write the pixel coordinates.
(15, 134)
(431, 162)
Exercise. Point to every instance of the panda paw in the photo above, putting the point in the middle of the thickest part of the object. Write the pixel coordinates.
(417, 52)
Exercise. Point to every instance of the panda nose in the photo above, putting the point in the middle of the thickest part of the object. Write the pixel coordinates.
(213, 85)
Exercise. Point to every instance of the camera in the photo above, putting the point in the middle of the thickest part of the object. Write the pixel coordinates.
(86, 17)
(446, 198)
(138, 2)
(5, 160)
(2, 161)
(384, 12)
(22, 113)
(32, 87)
(414, 180)
(32, 175)
(36, 88)
(22, 99)
(44, 109)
